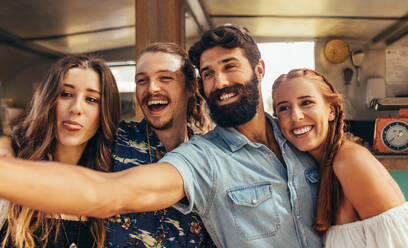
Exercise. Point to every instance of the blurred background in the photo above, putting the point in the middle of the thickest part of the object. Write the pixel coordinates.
(360, 45)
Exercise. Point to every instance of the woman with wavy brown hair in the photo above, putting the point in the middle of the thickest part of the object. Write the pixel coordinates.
(72, 118)
(359, 204)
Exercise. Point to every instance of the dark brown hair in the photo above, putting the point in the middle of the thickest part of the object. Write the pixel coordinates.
(34, 138)
(227, 36)
(330, 191)
(196, 111)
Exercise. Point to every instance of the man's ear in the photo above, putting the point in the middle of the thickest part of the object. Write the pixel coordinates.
(260, 70)
(332, 113)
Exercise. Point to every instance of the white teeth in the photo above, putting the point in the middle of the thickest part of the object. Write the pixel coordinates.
(226, 96)
(302, 130)
(157, 102)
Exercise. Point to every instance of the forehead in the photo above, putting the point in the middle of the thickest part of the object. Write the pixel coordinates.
(297, 87)
(216, 55)
(152, 62)
(82, 77)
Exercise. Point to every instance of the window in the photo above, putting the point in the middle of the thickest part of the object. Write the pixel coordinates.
(280, 58)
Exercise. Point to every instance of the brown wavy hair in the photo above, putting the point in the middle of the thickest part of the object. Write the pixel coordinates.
(34, 137)
(330, 191)
(197, 116)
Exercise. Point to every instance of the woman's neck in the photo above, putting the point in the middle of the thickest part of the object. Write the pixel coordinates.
(68, 154)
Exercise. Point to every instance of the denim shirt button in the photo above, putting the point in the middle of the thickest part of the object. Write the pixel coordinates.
(253, 201)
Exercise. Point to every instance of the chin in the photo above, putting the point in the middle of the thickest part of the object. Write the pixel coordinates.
(302, 147)
(160, 125)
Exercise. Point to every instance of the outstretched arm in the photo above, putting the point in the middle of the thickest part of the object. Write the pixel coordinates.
(69, 189)
(5, 147)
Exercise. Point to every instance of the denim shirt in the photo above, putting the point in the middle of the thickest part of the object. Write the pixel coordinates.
(242, 192)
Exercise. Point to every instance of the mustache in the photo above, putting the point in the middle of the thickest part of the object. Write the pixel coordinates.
(148, 96)
(215, 95)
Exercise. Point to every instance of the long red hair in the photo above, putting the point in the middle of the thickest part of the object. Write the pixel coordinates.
(330, 191)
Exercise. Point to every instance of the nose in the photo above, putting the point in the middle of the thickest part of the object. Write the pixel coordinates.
(154, 86)
(297, 114)
(76, 107)
(221, 80)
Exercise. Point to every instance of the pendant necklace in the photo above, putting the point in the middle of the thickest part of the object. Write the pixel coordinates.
(73, 244)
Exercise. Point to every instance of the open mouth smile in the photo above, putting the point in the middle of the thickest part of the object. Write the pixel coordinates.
(157, 105)
(302, 130)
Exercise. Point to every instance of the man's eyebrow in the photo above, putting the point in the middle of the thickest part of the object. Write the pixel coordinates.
(281, 102)
(229, 59)
(140, 73)
(143, 73)
(226, 60)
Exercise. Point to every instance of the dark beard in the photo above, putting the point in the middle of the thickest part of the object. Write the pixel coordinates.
(239, 112)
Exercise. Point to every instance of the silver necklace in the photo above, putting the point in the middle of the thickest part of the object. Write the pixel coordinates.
(73, 244)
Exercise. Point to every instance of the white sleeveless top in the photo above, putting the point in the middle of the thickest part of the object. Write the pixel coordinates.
(386, 230)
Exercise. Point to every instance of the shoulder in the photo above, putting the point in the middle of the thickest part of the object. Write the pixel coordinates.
(130, 130)
(197, 151)
(353, 158)
(366, 183)
(355, 165)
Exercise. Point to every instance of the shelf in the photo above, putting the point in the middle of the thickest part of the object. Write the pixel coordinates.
(394, 162)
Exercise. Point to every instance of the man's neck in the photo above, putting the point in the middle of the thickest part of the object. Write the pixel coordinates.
(256, 129)
(173, 136)
(259, 130)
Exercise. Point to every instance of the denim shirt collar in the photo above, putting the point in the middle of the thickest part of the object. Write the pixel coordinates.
(236, 140)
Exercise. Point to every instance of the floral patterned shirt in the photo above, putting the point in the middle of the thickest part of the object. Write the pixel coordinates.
(166, 228)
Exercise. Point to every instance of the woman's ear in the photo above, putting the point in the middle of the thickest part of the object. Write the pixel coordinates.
(332, 113)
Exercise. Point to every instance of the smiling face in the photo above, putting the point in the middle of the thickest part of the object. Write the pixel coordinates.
(303, 114)
(230, 85)
(161, 89)
(78, 107)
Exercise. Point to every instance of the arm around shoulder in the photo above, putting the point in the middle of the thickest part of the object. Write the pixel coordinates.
(365, 181)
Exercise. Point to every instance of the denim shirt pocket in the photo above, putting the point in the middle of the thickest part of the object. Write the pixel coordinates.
(313, 178)
(249, 205)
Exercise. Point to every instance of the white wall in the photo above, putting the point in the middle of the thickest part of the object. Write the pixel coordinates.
(373, 66)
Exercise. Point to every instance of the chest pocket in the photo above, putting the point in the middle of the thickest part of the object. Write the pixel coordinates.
(313, 178)
(254, 212)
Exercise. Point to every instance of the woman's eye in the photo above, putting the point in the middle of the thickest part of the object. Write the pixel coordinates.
(92, 99)
(229, 66)
(66, 94)
(306, 102)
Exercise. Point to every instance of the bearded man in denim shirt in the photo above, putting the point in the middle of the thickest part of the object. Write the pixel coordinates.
(250, 187)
